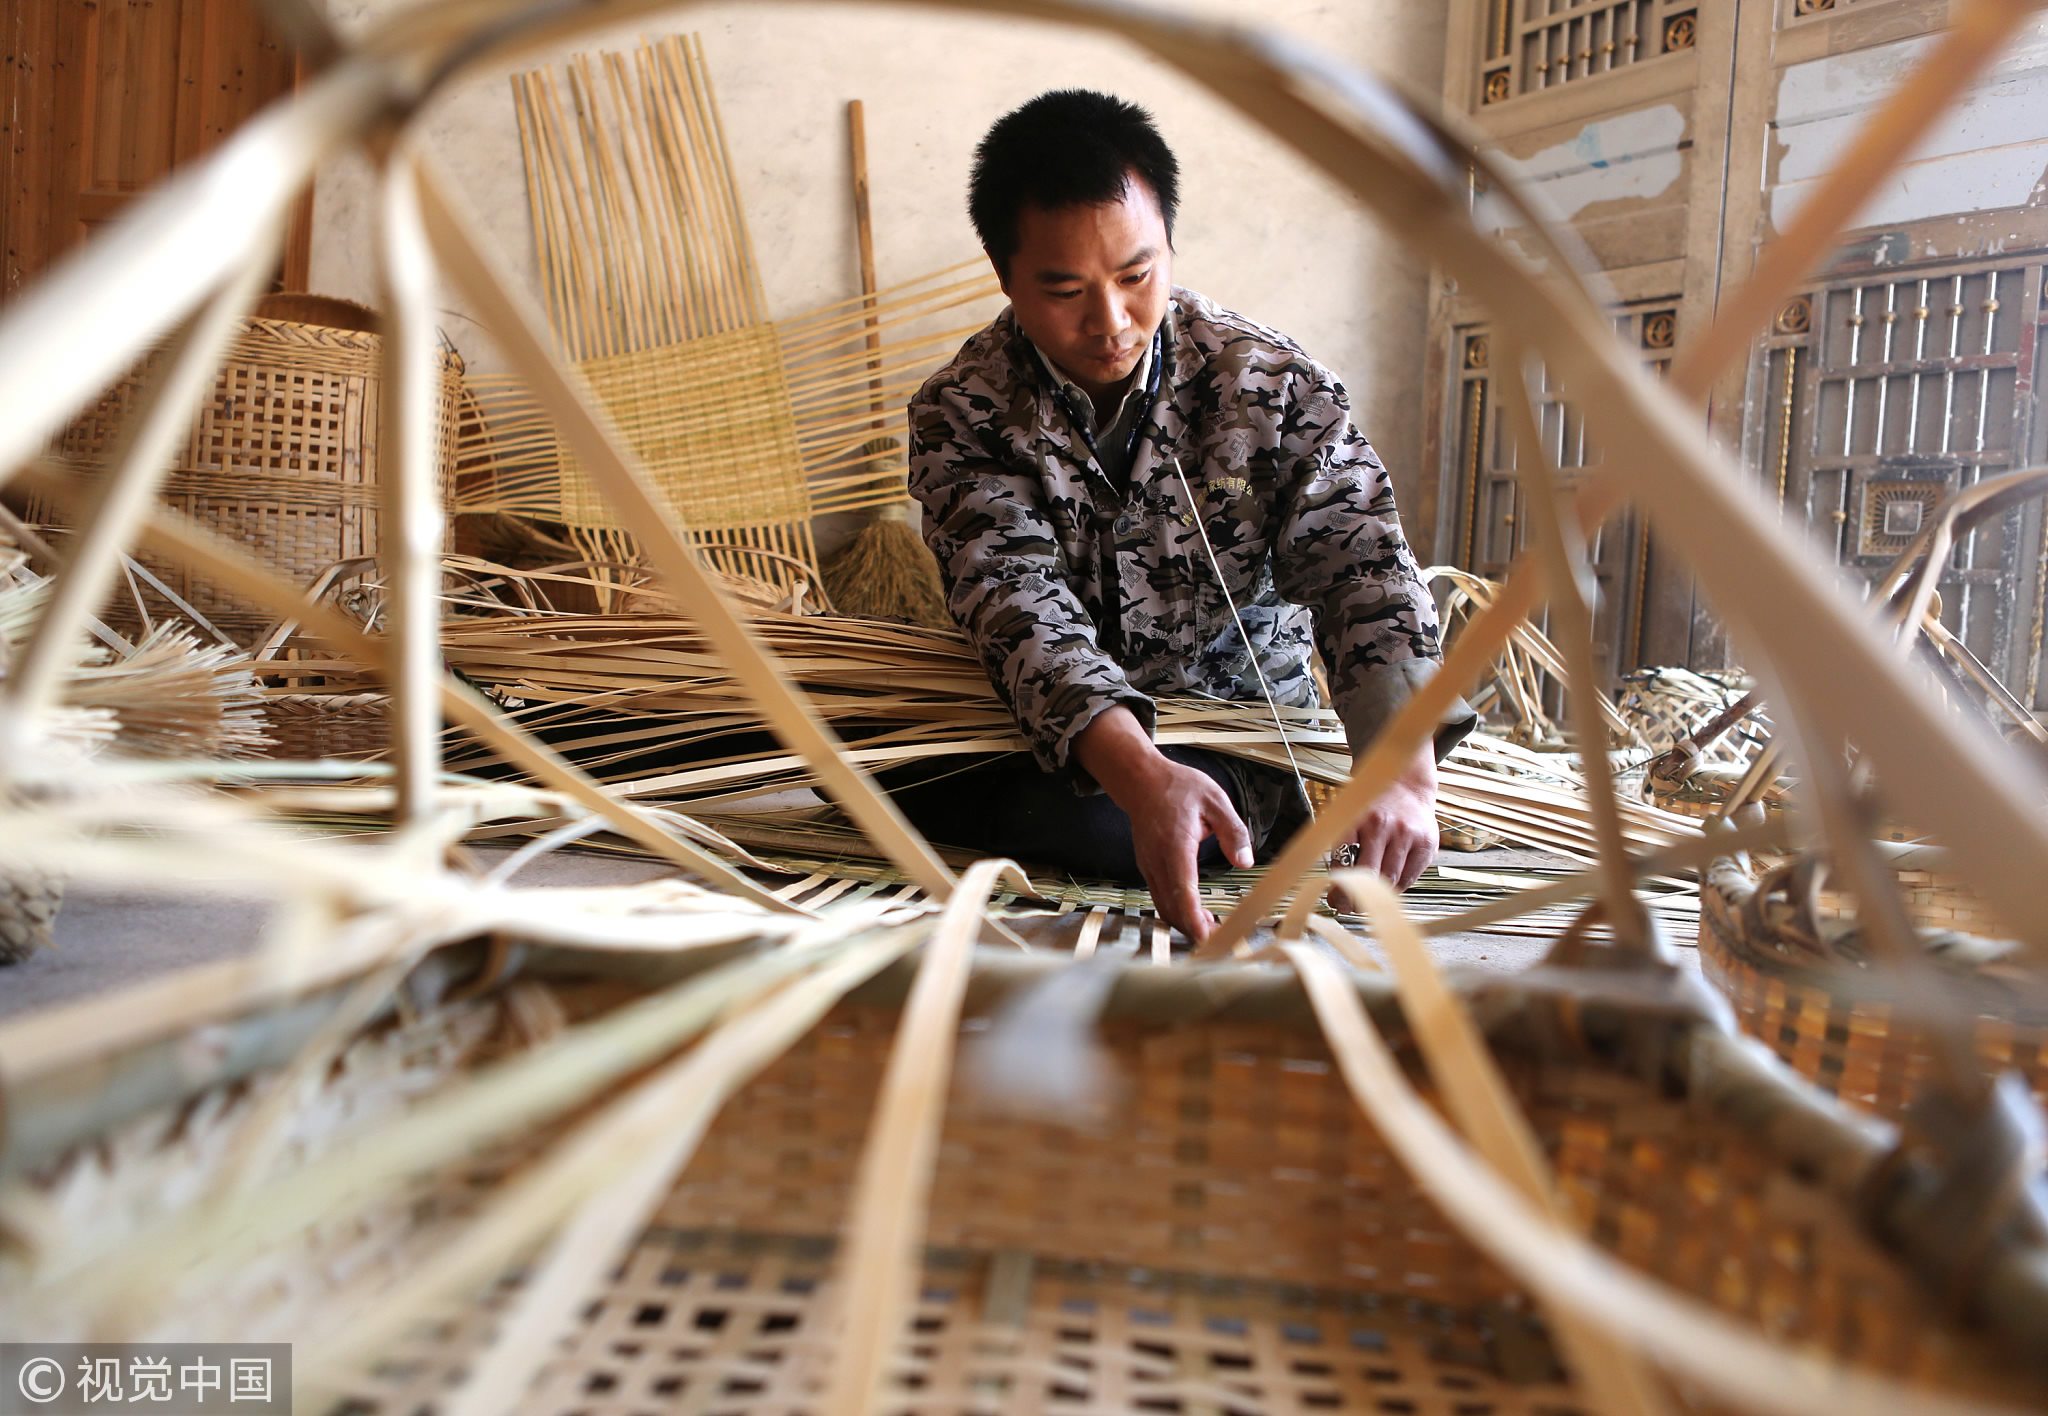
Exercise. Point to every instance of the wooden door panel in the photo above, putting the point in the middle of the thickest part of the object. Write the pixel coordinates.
(1891, 392)
(104, 97)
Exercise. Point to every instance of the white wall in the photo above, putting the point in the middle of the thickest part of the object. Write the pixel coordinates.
(1259, 230)
(1988, 151)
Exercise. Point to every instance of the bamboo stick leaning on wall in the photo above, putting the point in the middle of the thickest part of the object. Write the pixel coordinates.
(885, 570)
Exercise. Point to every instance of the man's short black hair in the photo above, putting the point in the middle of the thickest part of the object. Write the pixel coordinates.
(1070, 147)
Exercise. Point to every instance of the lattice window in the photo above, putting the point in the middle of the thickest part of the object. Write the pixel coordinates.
(1797, 10)
(1491, 528)
(1533, 45)
(1878, 399)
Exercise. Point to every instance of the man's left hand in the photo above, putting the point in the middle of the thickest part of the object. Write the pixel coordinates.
(1397, 835)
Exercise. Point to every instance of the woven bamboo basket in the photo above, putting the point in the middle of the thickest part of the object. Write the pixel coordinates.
(1224, 1231)
(283, 459)
(309, 726)
(1806, 997)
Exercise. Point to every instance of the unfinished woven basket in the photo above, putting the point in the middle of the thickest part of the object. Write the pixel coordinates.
(283, 459)
(1808, 1000)
(1221, 1230)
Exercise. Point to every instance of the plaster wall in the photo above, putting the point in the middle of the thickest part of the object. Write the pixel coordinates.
(1989, 151)
(1259, 229)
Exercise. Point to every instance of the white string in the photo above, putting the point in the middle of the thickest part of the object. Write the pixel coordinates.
(1195, 514)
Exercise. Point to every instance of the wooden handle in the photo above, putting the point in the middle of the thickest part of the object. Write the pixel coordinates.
(864, 227)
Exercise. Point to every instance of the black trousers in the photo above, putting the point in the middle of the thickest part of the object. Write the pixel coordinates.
(1006, 806)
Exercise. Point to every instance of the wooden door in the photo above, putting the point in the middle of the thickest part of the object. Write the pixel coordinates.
(1907, 371)
(1613, 114)
(100, 98)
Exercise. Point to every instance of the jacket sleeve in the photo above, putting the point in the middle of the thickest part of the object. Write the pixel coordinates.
(1006, 580)
(1341, 552)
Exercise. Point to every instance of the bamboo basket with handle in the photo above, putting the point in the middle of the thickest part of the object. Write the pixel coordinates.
(1777, 948)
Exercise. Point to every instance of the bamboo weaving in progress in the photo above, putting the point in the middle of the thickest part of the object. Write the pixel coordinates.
(749, 427)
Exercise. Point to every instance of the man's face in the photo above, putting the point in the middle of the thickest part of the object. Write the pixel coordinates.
(1089, 284)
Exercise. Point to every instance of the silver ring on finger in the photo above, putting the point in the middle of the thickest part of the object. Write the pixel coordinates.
(1345, 856)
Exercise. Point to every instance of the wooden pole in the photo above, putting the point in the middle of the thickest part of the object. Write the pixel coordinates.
(864, 230)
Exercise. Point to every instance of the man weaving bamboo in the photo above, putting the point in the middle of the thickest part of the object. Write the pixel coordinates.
(1069, 461)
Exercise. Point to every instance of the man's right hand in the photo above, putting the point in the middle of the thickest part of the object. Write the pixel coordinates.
(1172, 809)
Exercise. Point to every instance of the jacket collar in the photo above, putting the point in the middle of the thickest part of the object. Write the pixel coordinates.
(1164, 419)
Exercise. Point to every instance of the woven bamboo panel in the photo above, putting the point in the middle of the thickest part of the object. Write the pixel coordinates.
(1933, 899)
(740, 1323)
(283, 459)
(310, 726)
(1237, 1152)
(1228, 1234)
(709, 420)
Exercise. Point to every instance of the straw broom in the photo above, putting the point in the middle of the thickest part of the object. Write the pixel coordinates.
(885, 571)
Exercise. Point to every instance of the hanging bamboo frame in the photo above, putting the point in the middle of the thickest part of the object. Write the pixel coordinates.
(1987, 806)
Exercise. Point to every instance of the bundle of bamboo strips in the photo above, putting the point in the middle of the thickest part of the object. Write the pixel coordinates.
(167, 696)
(650, 708)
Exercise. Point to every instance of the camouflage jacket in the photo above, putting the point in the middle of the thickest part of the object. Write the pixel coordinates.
(1299, 512)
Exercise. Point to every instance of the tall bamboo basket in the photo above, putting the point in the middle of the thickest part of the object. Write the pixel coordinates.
(1221, 1229)
(283, 459)
(1807, 1002)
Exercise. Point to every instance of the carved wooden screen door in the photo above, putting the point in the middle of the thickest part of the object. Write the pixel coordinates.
(1673, 139)
(1879, 399)
(1490, 526)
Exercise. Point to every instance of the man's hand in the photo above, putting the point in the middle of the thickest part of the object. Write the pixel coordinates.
(1397, 836)
(1172, 808)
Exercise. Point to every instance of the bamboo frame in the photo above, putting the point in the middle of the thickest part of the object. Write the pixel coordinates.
(1987, 806)
(751, 427)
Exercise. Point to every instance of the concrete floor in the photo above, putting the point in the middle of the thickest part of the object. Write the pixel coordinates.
(108, 938)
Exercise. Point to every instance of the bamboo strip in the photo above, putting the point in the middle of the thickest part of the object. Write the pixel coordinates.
(742, 239)
(1571, 579)
(411, 525)
(1472, 1089)
(886, 1224)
